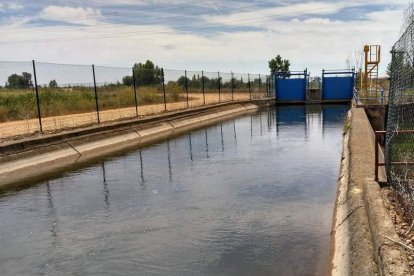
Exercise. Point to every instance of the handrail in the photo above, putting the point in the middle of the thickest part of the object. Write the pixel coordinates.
(380, 133)
(358, 98)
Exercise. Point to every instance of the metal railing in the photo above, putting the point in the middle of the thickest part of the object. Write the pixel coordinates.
(370, 97)
(382, 133)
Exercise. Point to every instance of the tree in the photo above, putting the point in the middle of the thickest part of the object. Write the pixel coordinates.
(22, 81)
(147, 73)
(278, 64)
(388, 70)
(53, 84)
(128, 80)
(183, 80)
(408, 17)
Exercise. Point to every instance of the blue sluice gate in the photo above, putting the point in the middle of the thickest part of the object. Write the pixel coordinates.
(291, 86)
(337, 85)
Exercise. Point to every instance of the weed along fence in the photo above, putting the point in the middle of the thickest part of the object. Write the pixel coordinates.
(38, 97)
(399, 147)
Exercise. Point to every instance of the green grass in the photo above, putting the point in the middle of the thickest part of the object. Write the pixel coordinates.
(21, 104)
(346, 126)
(403, 149)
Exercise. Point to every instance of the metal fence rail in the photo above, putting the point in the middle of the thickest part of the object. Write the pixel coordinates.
(38, 97)
(399, 149)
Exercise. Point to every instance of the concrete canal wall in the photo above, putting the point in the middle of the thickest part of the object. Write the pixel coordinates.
(361, 226)
(37, 158)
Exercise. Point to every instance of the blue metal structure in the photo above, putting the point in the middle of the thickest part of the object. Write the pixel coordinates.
(290, 87)
(337, 85)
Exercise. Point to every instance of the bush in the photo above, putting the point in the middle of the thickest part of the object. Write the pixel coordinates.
(20, 104)
(173, 91)
(149, 95)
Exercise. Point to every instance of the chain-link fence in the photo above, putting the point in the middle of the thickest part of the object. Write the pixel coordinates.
(19, 114)
(400, 122)
(242, 87)
(258, 86)
(37, 97)
(66, 95)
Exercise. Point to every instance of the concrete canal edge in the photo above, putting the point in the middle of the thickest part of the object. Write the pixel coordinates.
(35, 160)
(361, 227)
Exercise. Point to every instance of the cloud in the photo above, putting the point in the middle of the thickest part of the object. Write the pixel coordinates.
(318, 21)
(79, 15)
(15, 6)
(309, 34)
(261, 17)
(12, 6)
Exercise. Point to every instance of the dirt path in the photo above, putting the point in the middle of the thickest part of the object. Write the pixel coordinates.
(56, 123)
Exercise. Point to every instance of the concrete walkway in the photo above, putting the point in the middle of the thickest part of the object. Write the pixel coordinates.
(360, 221)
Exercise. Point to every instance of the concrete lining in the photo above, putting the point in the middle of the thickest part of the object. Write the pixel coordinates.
(360, 222)
(28, 143)
(339, 237)
(390, 257)
(33, 163)
(361, 166)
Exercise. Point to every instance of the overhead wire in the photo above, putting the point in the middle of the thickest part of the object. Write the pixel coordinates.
(188, 29)
(176, 16)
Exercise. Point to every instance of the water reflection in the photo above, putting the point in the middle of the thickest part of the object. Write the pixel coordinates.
(291, 115)
(105, 187)
(170, 174)
(141, 165)
(222, 138)
(234, 130)
(190, 147)
(206, 135)
(237, 198)
(51, 213)
(332, 115)
(305, 118)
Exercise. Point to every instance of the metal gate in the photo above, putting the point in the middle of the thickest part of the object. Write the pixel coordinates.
(290, 87)
(337, 85)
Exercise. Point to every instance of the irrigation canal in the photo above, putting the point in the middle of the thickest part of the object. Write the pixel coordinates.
(250, 196)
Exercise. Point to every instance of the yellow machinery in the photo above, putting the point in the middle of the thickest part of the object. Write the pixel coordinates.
(368, 80)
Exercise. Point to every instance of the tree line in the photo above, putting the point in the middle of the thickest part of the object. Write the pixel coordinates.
(147, 74)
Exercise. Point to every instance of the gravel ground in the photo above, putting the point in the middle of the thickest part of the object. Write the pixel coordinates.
(402, 224)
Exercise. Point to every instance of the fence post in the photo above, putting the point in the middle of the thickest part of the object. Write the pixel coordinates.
(202, 87)
(39, 113)
(186, 86)
(376, 155)
(269, 92)
(135, 91)
(248, 84)
(232, 86)
(96, 93)
(163, 89)
(270, 86)
(260, 82)
(219, 86)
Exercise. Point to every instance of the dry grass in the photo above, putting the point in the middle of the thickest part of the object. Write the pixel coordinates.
(21, 104)
(53, 123)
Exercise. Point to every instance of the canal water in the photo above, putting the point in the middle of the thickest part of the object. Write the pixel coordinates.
(249, 196)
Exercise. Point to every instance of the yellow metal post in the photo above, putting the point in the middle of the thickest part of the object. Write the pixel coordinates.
(372, 60)
(366, 53)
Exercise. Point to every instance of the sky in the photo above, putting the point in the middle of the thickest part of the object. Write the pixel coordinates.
(239, 36)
